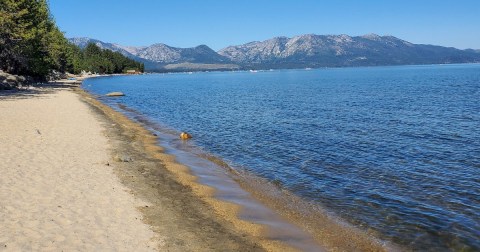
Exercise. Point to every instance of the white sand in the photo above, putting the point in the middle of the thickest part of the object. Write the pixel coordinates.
(56, 192)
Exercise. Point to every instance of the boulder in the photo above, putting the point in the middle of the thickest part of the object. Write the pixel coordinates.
(185, 135)
(115, 94)
(10, 81)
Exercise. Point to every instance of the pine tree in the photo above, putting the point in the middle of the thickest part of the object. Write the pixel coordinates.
(31, 44)
(13, 34)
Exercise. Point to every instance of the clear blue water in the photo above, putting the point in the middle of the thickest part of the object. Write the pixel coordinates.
(392, 149)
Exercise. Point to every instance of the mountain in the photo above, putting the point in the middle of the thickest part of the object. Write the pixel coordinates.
(167, 54)
(342, 51)
(161, 57)
(302, 51)
(125, 50)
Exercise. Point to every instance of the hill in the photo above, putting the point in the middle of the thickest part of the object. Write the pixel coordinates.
(342, 51)
(302, 51)
(160, 57)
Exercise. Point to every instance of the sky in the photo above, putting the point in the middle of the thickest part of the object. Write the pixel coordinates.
(220, 23)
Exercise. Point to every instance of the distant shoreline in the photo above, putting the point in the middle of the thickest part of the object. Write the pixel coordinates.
(301, 68)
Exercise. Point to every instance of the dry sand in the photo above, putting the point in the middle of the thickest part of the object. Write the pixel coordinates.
(56, 191)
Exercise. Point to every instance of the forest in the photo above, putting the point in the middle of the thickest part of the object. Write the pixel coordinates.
(32, 45)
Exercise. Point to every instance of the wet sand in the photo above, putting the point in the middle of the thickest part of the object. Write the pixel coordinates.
(178, 201)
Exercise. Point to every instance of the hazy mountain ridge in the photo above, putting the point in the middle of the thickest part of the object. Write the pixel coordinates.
(161, 57)
(302, 51)
(125, 50)
(167, 54)
(342, 50)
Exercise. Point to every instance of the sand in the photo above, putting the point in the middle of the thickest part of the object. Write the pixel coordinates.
(64, 187)
(56, 191)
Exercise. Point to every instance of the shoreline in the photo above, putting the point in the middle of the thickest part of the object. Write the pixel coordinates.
(141, 145)
(175, 199)
(319, 225)
(327, 230)
(62, 159)
(307, 68)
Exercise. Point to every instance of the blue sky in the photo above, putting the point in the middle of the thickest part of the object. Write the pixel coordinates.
(219, 23)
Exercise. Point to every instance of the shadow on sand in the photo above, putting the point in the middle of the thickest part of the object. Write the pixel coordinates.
(35, 90)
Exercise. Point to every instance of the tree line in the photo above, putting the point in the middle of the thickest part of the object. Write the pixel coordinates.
(96, 60)
(31, 44)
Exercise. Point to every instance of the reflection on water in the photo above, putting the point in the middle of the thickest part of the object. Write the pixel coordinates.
(393, 149)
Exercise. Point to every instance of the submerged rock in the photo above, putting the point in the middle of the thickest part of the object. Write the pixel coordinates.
(185, 135)
(115, 94)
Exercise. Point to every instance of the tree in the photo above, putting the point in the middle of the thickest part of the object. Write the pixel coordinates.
(14, 23)
(31, 44)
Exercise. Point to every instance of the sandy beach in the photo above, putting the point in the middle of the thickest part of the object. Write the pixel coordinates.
(78, 178)
(56, 191)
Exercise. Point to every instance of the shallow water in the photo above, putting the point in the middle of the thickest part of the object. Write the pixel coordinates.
(391, 149)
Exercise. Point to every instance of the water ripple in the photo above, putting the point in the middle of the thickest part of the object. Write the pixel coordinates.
(392, 149)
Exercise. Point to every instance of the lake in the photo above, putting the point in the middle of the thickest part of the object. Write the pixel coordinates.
(391, 149)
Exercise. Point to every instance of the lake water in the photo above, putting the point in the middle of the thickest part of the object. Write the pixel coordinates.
(391, 149)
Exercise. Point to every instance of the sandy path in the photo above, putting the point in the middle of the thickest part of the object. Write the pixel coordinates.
(56, 191)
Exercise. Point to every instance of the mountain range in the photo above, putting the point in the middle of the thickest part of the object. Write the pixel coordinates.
(304, 51)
